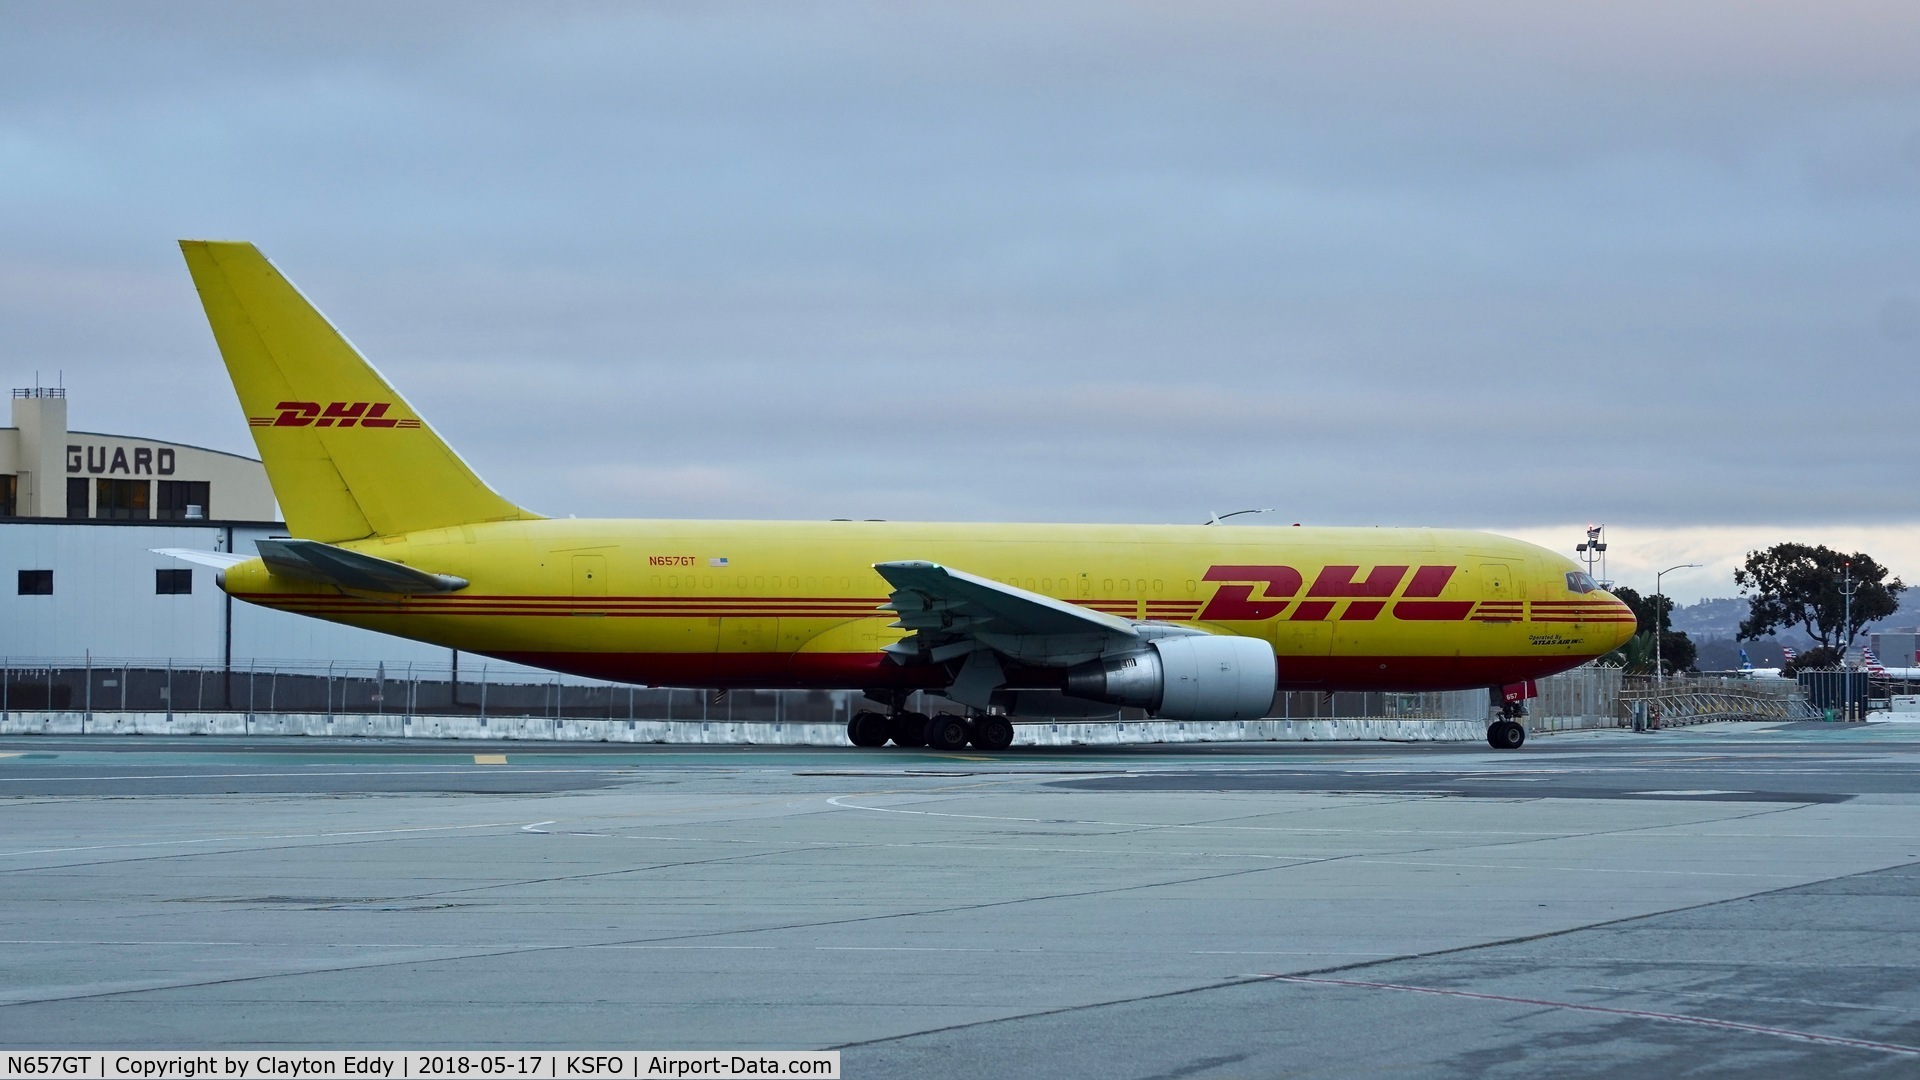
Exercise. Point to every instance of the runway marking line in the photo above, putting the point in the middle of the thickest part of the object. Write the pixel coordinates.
(269, 836)
(1637, 1014)
(436, 770)
(1742, 997)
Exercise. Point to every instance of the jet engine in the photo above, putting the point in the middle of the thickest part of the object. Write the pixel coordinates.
(1194, 677)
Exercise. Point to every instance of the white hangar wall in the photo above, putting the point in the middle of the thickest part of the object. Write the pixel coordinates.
(105, 603)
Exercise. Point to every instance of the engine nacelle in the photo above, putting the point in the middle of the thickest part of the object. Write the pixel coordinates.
(1196, 677)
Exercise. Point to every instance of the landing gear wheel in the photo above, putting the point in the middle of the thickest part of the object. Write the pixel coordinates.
(908, 729)
(867, 729)
(948, 732)
(992, 733)
(1506, 735)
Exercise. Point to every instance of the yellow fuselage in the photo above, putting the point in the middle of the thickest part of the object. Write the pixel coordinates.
(793, 604)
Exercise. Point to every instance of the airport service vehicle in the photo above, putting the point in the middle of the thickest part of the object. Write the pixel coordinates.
(391, 531)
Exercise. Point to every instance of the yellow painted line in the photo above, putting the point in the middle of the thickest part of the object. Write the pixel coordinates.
(489, 759)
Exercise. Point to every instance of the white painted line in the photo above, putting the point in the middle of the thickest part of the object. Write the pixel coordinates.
(1649, 990)
(1565, 869)
(1641, 1014)
(1286, 952)
(837, 802)
(243, 944)
(684, 947)
(922, 845)
(892, 948)
(266, 836)
(436, 771)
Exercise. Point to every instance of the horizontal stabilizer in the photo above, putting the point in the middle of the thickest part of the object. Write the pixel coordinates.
(311, 560)
(220, 560)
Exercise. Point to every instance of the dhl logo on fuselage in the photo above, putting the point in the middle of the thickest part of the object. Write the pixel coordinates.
(344, 414)
(1365, 597)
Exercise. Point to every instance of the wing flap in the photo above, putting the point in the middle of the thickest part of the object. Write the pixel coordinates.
(952, 613)
(924, 589)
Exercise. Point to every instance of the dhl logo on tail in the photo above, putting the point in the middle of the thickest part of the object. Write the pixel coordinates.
(335, 413)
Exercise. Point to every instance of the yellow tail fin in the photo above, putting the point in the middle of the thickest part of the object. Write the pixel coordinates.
(347, 456)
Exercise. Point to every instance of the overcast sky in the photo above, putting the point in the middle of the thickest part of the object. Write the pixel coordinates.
(1508, 265)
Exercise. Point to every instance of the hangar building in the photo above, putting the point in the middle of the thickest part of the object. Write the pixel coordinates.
(81, 511)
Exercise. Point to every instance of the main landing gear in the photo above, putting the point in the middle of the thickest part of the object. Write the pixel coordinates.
(1508, 732)
(943, 732)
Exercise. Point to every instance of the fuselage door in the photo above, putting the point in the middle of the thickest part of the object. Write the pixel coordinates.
(1497, 580)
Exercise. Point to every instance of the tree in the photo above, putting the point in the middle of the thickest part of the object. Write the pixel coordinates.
(1635, 656)
(1677, 652)
(1801, 585)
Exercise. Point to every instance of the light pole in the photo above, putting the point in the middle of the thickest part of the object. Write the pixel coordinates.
(1846, 620)
(1595, 551)
(1659, 604)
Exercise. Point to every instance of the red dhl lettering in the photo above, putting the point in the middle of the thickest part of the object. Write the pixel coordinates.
(1235, 602)
(1367, 595)
(346, 414)
(1345, 581)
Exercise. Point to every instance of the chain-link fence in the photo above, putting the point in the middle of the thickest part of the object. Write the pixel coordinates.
(1586, 697)
(381, 689)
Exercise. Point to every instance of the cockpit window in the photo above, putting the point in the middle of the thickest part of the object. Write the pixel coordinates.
(1580, 581)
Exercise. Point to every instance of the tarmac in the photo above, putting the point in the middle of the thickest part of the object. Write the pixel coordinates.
(1718, 901)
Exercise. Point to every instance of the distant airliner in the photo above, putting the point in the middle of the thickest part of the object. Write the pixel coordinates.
(1747, 669)
(392, 531)
(1874, 670)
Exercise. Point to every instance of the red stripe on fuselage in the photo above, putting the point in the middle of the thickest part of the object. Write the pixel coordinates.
(858, 671)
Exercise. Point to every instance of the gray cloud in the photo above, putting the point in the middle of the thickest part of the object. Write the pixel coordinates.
(1383, 263)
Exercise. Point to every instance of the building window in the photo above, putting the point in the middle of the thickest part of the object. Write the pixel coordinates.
(9, 495)
(122, 500)
(36, 583)
(78, 508)
(182, 499)
(172, 582)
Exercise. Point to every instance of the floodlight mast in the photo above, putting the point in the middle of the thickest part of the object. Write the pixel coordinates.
(1594, 550)
(1846, 620)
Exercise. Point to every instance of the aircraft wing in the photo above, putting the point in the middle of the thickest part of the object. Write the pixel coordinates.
(311, 560)
(952, 613)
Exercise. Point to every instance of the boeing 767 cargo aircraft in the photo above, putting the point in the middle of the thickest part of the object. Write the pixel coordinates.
(391, 531)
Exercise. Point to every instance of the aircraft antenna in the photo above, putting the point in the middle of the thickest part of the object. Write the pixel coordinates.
(1215, 519)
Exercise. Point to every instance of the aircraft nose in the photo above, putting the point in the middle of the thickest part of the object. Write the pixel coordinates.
(1619, 628)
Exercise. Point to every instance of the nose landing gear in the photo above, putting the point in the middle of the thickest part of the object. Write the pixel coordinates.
(1510, 731)
(1506, 734)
